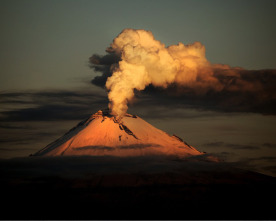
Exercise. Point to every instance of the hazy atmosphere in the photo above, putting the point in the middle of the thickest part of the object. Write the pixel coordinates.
(56, 57)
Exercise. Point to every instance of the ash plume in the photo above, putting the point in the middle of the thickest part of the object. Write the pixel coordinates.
(135, 60)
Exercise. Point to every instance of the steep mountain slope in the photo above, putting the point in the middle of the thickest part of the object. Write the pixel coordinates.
(102, 134)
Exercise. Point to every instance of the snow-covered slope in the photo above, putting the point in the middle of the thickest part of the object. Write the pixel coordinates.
(101, 134)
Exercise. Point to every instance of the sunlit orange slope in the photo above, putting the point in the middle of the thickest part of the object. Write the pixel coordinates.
(102, 135)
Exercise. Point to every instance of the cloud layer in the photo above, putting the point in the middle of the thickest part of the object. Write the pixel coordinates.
(136, 61)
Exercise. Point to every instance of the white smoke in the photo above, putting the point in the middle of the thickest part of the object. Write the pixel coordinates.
(145, 60)
(135, 60)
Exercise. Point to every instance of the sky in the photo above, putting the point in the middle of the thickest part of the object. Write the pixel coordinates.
(45, 72)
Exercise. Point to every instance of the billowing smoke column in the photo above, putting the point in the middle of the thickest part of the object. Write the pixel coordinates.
(145, 61)
(135, 60)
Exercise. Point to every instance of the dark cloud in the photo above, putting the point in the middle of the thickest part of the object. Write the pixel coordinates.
(225, 153)
(270, 169)
(265, 158)
(15, 149)
(12, 127)
(261, 98)
(77, 105)
(46, 113)
(231, 145)
(239, 146)
(103, 64)
(31, 120)
(21, 111)
(12, 139)
(29, 136)
(262, 164)
(50, 105)
(242, 90)
(44, 97)
(214, 144)
(270, 145)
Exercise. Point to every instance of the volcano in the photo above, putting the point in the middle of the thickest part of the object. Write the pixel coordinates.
(102, 134)
(110, 168)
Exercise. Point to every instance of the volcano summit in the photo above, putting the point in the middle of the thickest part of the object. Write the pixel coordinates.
(103, 134)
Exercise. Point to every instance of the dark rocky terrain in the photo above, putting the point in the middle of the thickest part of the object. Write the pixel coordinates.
(132, 188)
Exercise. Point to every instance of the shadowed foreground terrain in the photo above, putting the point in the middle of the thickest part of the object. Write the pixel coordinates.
(132, 188)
